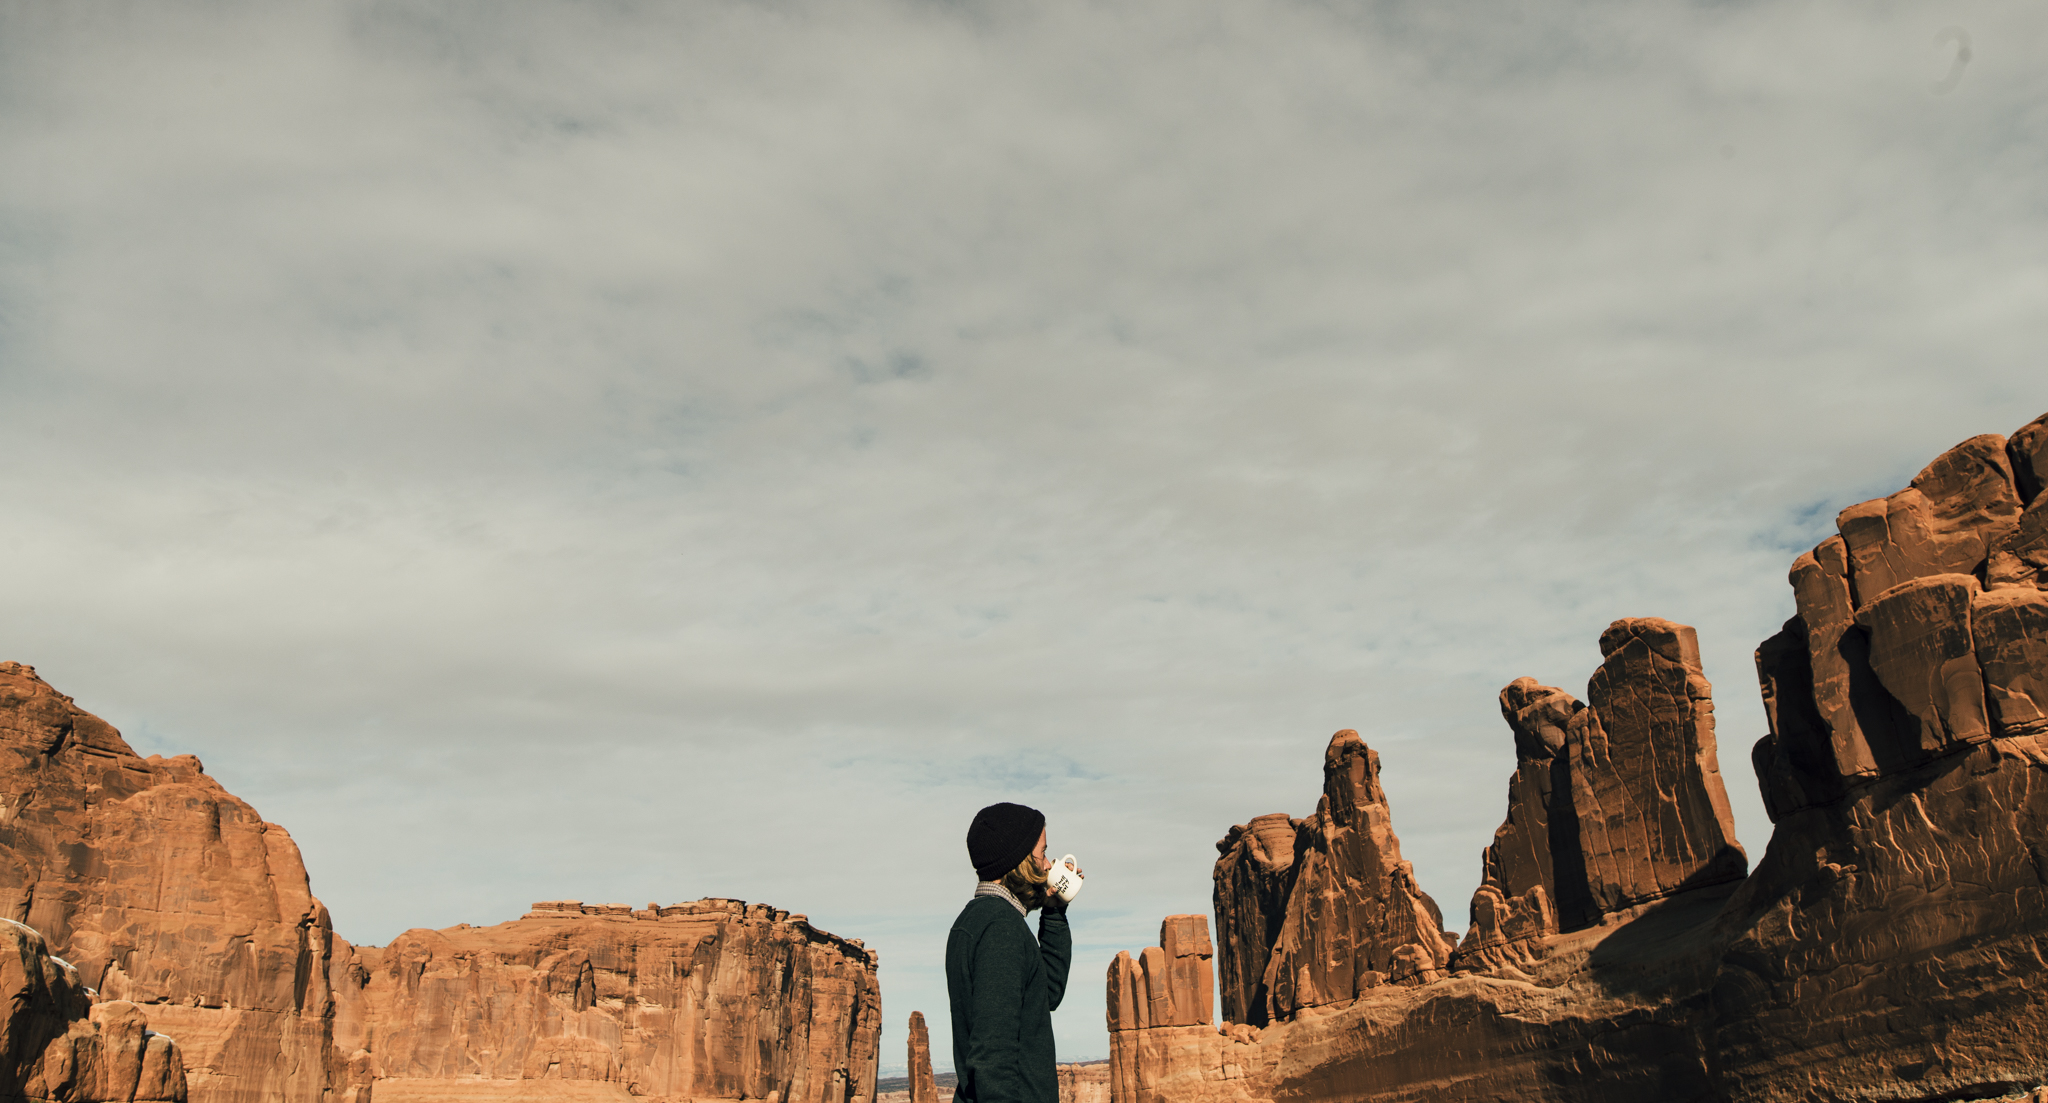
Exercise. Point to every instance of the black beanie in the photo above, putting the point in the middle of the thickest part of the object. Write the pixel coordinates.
(1001, 836)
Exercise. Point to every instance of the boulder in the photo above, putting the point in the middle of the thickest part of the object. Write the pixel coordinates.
(2020, 557)
(1837, 676)
(1799, 762)
(1923, 655)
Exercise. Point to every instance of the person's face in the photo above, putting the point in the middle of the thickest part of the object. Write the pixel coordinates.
(1039, 854)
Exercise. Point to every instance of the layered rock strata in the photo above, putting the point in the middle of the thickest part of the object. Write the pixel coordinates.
(1889, 943)
(56, 1045)
(172, 894)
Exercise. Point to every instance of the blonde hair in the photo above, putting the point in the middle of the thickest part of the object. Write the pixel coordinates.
(1027, 882)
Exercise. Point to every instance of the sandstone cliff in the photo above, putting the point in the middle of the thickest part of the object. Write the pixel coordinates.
(169, 892)
(173, 895)
(714, 1000)
(57, 1046)
(1084, 1083)
(1890, 942)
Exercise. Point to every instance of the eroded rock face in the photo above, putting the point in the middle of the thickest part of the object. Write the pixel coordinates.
(2028, 452)
(1170, 984)
(2020, 557)
(1335, 913)
(714, 999)
(1163, 992)
(1515, 905)
(169, 892)
(1254, 875)
(1888, 945)
(1087, 1083)
(1651, 813)
(2009, 631)
(1897, 670)
(1945, 522)
(1612, 805)
(56, 1045)
(923, 1089)
(1356, 918)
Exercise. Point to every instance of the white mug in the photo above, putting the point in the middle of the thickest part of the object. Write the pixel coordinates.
(1064, 879)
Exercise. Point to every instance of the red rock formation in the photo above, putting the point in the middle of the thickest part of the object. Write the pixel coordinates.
(1161, 997)
(922, 1087)
(1170, 984)
(1889, 944)
(1515, 905)
(2020, 557)
(169, 892)
(1652, 816)
(1254, 875)
(1945, 522)
(2028, 452)
(56, 1045)
(1333, 915)
(1087, 1082)
(1885, 623)
(1356, 918)
(2009, 632)
(709, 1000)
(1611, 805)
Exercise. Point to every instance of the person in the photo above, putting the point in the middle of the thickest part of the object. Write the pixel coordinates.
(1003, 984)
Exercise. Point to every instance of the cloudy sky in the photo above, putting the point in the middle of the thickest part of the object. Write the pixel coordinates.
(642, 452)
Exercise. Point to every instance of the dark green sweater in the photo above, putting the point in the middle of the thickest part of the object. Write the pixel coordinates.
(1004, 985)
